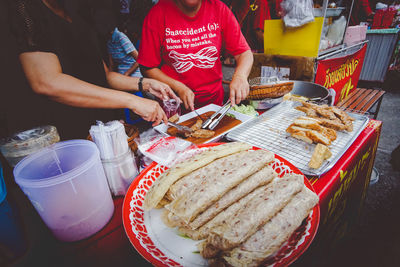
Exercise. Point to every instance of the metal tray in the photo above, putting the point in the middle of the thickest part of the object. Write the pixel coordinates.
(162, 128)
(269, 131)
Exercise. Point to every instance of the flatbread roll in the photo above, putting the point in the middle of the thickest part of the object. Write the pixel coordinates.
(204, 230)
(166, 179)
(226, 173)
(269, 238)
(256, 212)
(262, 177)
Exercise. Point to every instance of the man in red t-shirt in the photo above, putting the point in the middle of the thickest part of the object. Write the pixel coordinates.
(251, 15)
(362, 12)
(181, 45)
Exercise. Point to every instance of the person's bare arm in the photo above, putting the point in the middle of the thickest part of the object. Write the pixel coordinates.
(44, 73)
(239, 86)
(184, 92)
(126, 83)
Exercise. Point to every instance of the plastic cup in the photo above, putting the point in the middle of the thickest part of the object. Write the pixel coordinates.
(67, 186)
(120, 172)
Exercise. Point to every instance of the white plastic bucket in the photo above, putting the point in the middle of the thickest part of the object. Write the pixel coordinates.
(67, 185)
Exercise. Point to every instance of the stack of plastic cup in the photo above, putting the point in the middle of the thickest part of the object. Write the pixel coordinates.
(118, 159)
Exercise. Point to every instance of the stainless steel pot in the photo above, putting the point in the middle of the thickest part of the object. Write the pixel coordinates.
(312, 91)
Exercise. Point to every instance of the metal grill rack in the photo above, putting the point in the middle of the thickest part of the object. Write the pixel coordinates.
(269, 131)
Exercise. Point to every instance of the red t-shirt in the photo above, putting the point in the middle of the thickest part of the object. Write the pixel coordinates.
(188, 48)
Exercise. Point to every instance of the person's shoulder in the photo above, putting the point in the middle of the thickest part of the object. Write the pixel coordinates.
(160, 7)
(218, 6)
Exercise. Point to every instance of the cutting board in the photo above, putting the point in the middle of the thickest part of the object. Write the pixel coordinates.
(224, 125)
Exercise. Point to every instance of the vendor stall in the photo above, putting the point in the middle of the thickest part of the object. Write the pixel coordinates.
(381, 47)
(328, 41)
(219, 184)
(341, 191)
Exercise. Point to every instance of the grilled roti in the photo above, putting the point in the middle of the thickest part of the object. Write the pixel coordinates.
(256, 212)
(262, 177)
(269, 238)
(166, 179)
(231, 170)
(223, 216)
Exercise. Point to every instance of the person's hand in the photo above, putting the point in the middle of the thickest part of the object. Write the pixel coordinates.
(187, 97)
(159, 89)
(238, 89)
(150, 110)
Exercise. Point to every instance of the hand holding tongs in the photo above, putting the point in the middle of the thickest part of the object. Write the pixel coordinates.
(213, 121)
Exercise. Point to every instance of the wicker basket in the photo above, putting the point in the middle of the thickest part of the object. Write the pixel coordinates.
(262, 88)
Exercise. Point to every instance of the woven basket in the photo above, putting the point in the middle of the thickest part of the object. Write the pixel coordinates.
(261, 88)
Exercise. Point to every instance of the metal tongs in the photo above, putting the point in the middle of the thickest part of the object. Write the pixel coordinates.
(213, 121)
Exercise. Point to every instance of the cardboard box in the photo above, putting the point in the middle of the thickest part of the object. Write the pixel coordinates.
(355, 34)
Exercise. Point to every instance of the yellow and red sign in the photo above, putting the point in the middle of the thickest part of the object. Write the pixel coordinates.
(341, 74)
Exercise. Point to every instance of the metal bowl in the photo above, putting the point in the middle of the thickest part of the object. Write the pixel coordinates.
(266, 103)
(312, 91)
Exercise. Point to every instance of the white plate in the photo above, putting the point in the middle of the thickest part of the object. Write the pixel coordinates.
(162, 128)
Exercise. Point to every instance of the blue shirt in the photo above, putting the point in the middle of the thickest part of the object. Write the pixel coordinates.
(120, 47)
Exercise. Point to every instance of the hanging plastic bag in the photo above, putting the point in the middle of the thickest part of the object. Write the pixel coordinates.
(296, 13)
(336, 31)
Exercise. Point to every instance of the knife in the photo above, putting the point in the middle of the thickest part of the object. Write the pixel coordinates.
(180, 127)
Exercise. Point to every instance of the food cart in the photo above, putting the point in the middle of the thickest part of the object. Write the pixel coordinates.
(341, 189)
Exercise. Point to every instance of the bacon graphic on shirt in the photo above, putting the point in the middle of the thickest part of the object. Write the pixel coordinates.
(204, 59)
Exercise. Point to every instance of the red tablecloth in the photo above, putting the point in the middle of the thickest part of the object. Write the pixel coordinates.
(342, 190)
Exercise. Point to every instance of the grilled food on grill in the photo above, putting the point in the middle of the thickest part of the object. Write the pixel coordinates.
(319, 126)
(320, 154)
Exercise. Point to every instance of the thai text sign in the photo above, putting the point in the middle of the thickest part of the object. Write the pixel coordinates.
(341, 73)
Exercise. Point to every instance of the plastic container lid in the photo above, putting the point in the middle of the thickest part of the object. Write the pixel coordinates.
(47, 166)
(20, 145)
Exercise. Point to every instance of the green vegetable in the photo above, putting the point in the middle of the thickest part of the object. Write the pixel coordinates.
(183, 235)
(246, 109)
